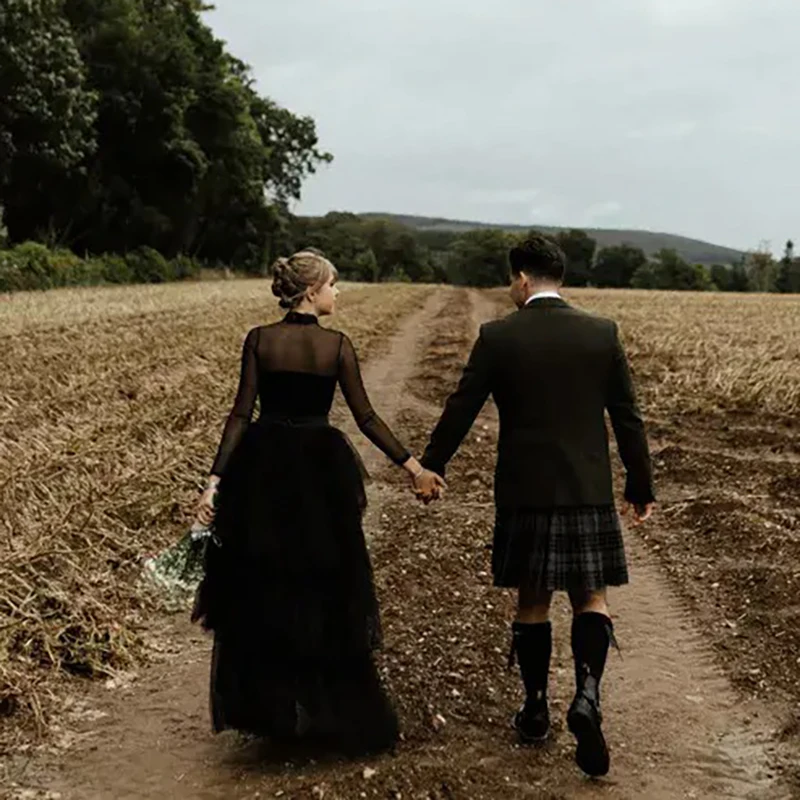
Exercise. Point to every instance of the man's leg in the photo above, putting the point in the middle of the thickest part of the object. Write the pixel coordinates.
(591, 635)
(533, 606)
(594, 601)
(533, 643)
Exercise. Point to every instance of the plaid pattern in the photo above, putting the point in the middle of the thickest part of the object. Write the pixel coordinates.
(559, 549)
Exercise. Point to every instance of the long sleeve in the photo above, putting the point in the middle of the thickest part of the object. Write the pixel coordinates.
(629, 429)
(461, 409)
(242, 411)
(368, 421)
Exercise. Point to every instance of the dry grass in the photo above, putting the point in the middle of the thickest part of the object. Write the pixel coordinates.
(25, 311)
(111, 405)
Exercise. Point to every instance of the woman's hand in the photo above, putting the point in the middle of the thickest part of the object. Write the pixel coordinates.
(429, 486)
(206, 505)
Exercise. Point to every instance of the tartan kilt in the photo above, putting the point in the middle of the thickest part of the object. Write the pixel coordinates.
(559, 549)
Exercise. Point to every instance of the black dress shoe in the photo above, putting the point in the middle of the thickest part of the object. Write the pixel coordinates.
(585, 720)
(532, 722)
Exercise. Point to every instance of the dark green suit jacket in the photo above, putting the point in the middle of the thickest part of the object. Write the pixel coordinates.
(553, 371)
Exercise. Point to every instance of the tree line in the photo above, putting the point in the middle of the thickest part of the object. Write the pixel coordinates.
(376, 249)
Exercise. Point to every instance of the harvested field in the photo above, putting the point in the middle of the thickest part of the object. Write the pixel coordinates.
(111, 403)
(704, 702)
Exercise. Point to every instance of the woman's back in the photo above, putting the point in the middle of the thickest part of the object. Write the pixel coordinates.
(293, 367)
(297, 367)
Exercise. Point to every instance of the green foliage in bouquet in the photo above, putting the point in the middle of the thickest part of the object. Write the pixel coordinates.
(177, 571)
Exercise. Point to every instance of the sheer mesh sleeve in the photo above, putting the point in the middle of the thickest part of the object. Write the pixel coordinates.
(242, 411)
(368, 421)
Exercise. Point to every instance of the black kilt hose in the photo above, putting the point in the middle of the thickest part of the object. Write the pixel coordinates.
(554, 372)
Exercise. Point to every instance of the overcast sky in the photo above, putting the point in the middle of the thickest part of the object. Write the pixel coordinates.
(674, 115)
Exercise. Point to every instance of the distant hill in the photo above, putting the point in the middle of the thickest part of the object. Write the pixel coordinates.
(692, 250)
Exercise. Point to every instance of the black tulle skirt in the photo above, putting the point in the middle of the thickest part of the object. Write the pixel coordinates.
(289, 594)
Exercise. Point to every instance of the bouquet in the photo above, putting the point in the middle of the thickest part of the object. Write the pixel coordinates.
(179, 569)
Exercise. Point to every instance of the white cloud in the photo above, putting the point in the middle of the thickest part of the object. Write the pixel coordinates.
(503, 196)
(664, 130)
(602, 212)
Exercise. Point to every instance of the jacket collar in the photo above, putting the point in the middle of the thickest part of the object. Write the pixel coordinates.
(546, 302)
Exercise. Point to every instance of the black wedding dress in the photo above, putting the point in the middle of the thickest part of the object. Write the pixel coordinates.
(289, 593)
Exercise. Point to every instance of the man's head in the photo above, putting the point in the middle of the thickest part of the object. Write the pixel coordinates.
(537, 264)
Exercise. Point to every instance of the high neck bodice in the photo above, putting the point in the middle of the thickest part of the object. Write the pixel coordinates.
(298, 318)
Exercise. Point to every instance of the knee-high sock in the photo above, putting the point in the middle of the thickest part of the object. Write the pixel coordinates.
(533, 643)
(591, 636)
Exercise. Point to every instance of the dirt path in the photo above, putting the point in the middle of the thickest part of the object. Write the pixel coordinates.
(385, 379)
(676, 728)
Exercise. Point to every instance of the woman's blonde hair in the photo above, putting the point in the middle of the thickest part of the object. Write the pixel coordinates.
(292, 277)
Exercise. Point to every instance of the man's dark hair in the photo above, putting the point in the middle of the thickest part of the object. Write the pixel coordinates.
(538, 257)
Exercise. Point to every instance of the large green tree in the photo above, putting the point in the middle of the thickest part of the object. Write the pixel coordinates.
(579, 249)
(479, 258)
(189, 158)
(761, 270)
(47, 114)
(722, 277)
(397, 250)
(669, 271)
(740, 280)
(340, 236)
(787, 280)
(615, 266)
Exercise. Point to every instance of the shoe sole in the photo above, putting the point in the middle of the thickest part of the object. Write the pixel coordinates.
(533, 740)
(591, 754)
(526, 738)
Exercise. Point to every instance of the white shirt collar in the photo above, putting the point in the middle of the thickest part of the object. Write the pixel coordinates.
(542, 295)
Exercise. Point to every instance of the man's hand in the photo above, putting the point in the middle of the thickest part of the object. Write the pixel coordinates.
(429, 486)
(641, 513)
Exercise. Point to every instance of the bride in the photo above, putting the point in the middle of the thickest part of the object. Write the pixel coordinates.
(289, 593)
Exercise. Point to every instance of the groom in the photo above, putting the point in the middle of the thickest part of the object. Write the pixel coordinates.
(553, 371)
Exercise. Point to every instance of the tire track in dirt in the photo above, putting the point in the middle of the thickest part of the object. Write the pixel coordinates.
(150, 738)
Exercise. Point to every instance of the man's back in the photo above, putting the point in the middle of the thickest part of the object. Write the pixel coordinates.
(553, 370)
(551, 366)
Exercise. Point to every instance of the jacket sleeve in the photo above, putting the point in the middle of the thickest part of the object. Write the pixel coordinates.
(461, 409)
(629, 430)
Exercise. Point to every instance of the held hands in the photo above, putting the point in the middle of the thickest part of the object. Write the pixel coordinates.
(429, 486)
